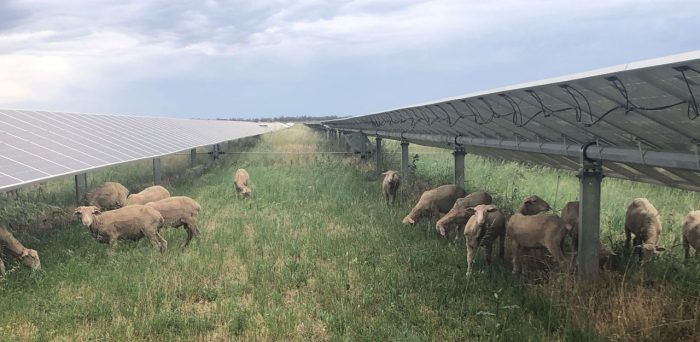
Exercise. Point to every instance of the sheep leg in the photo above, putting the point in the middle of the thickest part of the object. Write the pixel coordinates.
(470, 254)
(191, 229)
(156, 241)
(488, 250)
(628, 237)
(516, 257)
(502, 245)
(557, 254)
(686, 248)
(2, 268)
(112, 245)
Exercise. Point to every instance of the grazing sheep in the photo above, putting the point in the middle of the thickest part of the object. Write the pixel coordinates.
(536, 231)
(149, 194)
(484, 218)
(179, 211)
(569, 213)
(691, 234)
(440, 199)
(240, 183)
(642, 220)
(128, 223)
(533, 205)
(390, 185)
(10, 246)
(459, 215)
(108, 196)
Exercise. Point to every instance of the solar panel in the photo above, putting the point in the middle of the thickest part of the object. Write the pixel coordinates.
(643, 118)
(39, 145)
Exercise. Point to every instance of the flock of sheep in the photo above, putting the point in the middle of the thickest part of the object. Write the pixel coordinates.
(110, 214)
(531, 226)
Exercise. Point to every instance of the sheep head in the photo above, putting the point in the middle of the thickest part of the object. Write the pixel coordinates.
(30, 258)
(648, 250)
(534, 205)
(87, 214)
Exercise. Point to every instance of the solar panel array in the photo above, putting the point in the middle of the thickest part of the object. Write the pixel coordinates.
(643, 118)
(39, 145)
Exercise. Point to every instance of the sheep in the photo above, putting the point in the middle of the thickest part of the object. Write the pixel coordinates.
(149, 194)
(240, 183)
(569, 213)
(108, 196)
(390, 185)
(127, 223)
(691, 234)
(536, 231)
(485, 217)
(533, 205)
(9, 245)
(179, 211)
(642, 220)
(459, 215)
(440, 199)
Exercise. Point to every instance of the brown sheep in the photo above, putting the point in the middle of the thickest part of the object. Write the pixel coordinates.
(536, 231)
(642, 220)
(128, 223)
(533, 205)
(108, 196)
(149, 194)
(569, 213)
(691, 234)
(484, 218)
(390, 185)
(440, 199)
(179, 211)
(459, 215)
(10, 246)
(240, 183)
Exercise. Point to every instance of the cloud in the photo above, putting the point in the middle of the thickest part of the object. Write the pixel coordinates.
(61, 49)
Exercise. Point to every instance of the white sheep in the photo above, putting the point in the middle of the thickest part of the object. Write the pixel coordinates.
(149, 194)
(129, 223)
(179, 211)
(484, 217)
(642, 220)
(240, 183)
(10, 246)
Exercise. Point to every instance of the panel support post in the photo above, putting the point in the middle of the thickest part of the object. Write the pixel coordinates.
(590, 177)
(80, 187)
(459, 166)
(157, 177)
(404, 161)
(328, 134)
(378, 148)
(193, 157)
(363, 147)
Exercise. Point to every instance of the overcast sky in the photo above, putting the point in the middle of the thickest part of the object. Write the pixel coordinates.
(192, 58)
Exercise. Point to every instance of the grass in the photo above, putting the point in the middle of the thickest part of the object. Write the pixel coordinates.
(316, 255)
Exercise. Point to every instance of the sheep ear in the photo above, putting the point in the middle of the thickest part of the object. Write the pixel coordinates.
(637, 247)
(96, 211)
(76, 212)
(491, 209)
(660, 248)
(385, 173)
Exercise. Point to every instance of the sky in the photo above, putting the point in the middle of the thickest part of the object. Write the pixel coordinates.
(265, 58)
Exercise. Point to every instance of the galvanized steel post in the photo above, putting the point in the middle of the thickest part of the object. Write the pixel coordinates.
(378, 148)
(80, 187)
(193, 157)
(157, 177)
(404, 160)
(459, 166)
(590, 177)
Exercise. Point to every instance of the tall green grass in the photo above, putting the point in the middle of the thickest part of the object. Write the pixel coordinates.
(315, 254)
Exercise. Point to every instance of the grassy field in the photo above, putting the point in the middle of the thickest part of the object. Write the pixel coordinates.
(316, 255)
